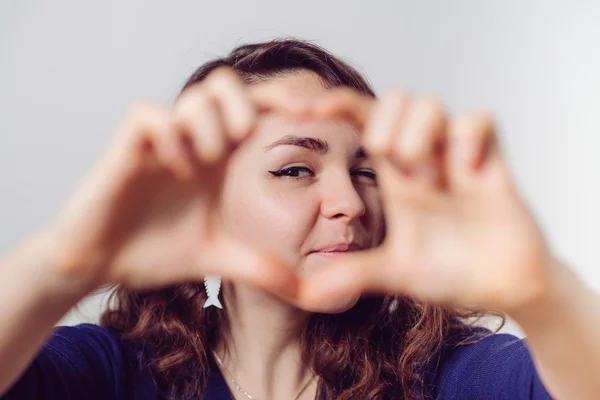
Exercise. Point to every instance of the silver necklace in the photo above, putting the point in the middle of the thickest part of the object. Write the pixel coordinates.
(245, 392)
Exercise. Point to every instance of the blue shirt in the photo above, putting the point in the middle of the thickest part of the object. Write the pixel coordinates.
(88, 362)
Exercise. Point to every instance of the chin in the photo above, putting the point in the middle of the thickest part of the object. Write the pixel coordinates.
(337, 306)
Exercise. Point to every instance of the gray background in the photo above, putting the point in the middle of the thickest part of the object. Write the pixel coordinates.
(69, 71)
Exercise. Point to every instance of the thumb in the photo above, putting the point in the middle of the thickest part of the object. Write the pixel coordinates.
(341, 283)
(236, 261)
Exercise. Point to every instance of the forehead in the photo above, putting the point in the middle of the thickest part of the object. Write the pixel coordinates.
(305, 85)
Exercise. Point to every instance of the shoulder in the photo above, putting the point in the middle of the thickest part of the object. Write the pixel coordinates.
(85, 337)
(91, 347)
(481, 347)
(84, 361)
(495, 366)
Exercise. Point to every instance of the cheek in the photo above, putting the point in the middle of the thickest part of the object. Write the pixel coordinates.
(273, 221)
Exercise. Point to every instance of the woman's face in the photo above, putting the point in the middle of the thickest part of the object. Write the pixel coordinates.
(303, 190)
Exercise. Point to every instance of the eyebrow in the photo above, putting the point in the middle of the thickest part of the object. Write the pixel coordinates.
(312, 144)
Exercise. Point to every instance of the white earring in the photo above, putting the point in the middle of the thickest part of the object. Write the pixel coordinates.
(212, 284)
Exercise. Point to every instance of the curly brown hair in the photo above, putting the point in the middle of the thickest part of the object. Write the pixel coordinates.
(382, 348)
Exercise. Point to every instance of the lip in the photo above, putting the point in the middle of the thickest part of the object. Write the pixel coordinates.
(338, 248)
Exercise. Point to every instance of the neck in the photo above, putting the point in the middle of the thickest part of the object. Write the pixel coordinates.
(261, 348)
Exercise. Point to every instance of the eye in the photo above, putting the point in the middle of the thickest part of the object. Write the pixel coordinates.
(293, 172)
(363, 174)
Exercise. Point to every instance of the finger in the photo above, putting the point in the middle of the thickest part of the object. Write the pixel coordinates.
(231, 95)
(387, 115)
(346, 103)
(473, 149)
(344, 280)
(236, 261)
(418, 146)
(276, 98)
(403, 191)
(149, 129)
(398, 180)
(197, 117)
(422, 131)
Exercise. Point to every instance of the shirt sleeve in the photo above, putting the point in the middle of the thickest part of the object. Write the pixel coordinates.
(497, 367)
(78, 362)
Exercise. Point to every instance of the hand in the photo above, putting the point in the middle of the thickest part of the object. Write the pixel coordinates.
(146, 215)
(457, 231)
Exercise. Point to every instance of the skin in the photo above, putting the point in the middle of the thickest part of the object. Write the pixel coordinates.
(456, 229)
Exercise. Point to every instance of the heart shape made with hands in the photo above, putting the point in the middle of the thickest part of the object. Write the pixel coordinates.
(456, 229)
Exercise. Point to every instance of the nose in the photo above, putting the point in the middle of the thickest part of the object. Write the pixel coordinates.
(341, 199)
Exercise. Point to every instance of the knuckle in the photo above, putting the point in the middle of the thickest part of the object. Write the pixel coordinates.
(398, 97)
(223, 72)
(434, 122)
(244, 124)
(191, 93)
(463, 127)
(190, 104)
(142, 110)
(474, 126)
(350, 99)
(142, 120)
(432, 106)
(487, 122)
(222, 76)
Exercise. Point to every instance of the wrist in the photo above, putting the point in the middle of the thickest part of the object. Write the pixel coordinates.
(555, 304)
(36, 257)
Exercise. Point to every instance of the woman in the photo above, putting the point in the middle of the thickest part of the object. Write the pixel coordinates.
(278, 170)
